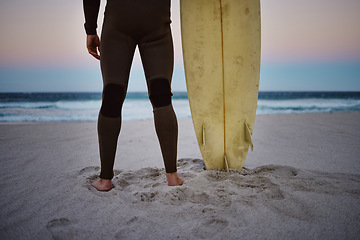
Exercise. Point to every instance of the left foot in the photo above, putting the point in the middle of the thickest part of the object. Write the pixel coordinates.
(174, 179)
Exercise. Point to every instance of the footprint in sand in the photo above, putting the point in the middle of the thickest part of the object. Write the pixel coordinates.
(145, 196)
(63, 229)
(210, 227)
(177, 196)
(122, 183)
(135, 229)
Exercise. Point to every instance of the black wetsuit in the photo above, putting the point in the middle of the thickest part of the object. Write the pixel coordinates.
(127, 24)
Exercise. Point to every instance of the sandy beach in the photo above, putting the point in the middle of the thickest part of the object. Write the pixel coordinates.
(302, 181)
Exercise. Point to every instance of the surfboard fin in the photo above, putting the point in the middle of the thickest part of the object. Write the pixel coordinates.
(248, 136)
(203, 137)
(226, 164)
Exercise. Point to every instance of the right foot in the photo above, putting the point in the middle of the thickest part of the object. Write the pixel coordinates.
(174, 179)
(103, 185)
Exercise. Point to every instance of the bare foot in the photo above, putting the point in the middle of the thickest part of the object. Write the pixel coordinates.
(103, 184)
(174, 179)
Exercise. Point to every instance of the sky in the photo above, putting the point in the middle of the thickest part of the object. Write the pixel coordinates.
(307, 45)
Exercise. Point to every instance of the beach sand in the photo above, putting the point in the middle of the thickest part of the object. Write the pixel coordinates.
(302, 181)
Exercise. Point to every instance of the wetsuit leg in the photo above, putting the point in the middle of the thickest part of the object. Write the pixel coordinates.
(156, 50)
(117, 50)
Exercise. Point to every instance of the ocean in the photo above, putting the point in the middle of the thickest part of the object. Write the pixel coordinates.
(68, 106)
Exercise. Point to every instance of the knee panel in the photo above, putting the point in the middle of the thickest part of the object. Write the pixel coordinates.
(160, 92)
(113, 98)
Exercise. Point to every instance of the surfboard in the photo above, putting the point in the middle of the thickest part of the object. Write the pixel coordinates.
(221, 53)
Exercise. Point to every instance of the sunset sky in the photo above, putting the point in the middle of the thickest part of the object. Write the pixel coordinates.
(310, 45)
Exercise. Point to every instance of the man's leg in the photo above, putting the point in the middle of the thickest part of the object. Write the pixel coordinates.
(116, 55)
(157, 56)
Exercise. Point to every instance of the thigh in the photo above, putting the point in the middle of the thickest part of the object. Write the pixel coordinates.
(157, 54)
(116, 56)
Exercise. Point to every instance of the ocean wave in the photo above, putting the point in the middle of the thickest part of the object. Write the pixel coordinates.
(78, 105)
(28, 105)
(308, 106)
(46, 115)
(65, 105)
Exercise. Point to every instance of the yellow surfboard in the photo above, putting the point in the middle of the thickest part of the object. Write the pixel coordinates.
(221, 49)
